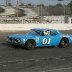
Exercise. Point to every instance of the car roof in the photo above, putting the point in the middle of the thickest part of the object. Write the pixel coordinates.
(42, 29)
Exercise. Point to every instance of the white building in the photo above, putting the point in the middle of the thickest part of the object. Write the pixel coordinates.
(55, 19)
(70, 20)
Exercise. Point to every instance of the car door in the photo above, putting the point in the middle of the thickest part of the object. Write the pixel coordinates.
(55, 38)
(49, 40)
(44, 40)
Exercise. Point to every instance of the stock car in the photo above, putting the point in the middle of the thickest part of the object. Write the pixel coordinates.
(40, 38)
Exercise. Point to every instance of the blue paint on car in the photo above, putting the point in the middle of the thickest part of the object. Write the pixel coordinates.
(41, 39)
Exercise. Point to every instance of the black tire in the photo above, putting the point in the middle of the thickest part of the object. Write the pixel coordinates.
(64, 43)
(30, 44)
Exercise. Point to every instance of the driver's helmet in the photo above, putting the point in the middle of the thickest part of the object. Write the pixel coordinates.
(46, 33)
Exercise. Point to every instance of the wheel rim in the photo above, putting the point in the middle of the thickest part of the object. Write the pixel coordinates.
(64, 43)
(31, 45)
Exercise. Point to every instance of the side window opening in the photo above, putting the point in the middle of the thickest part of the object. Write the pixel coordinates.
(54, 32)
(47, 33)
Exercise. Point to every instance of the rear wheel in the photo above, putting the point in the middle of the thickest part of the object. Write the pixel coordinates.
(64, 43)
(30, 44)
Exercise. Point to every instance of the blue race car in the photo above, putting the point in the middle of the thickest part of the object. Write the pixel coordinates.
(40, 38)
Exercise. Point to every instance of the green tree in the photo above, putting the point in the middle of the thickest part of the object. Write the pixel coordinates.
(9, 4)
(60, 0)
(59, 5)
(70, 5)
(21, 4)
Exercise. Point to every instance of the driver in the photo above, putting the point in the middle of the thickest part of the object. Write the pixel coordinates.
(46, 33)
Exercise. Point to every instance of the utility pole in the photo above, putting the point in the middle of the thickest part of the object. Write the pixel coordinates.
(7, 2)
(63, 6)
(41, 10)
(38, 9)
(17, 7)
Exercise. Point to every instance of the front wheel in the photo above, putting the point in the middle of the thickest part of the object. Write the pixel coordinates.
(30, 44)
(64, 43)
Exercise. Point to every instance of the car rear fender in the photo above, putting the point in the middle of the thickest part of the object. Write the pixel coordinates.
(65, 38)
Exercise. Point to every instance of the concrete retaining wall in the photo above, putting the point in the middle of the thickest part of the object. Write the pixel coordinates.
(13, 27)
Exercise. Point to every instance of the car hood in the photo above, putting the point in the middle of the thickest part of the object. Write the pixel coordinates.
(22, 36)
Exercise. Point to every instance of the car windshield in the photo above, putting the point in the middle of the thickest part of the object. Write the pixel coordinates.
(36, 32)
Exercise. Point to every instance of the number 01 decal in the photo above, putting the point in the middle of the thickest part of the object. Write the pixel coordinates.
(46, 41)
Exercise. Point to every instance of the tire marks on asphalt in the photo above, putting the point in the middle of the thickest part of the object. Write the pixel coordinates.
(36, 60)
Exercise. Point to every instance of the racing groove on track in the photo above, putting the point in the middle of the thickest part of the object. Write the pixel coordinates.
(17, 59)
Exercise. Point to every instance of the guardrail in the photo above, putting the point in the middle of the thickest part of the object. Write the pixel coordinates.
(23, 20)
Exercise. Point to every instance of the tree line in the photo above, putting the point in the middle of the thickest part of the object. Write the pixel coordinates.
(58, 9)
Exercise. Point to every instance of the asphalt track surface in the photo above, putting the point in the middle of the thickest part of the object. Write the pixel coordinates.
(48, 59)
